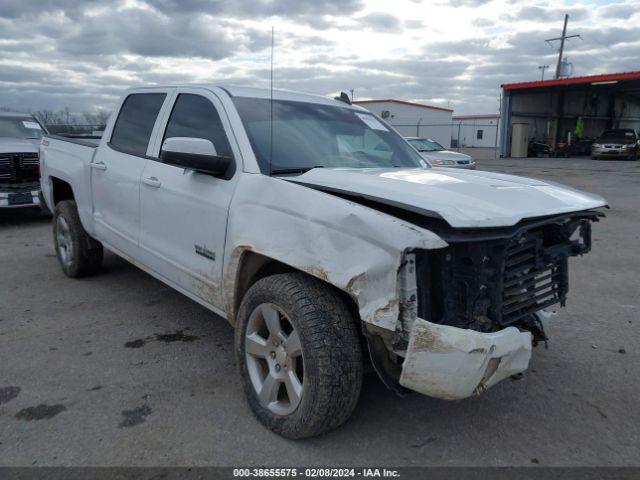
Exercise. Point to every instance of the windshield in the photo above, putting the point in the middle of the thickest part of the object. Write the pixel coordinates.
(628, 134)
(20, 127)
(426, 145)
(309, 135)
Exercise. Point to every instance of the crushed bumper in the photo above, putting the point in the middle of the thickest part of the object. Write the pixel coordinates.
(453, 363)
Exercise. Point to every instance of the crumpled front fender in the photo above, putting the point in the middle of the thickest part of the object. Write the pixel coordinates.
(453, 363)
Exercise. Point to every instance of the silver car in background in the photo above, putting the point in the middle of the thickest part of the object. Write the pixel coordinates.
(438, 156)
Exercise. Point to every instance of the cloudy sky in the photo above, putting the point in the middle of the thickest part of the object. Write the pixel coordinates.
(82, 54)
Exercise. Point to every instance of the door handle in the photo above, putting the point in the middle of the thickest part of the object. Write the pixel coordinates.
(152, 182)
(98, 166)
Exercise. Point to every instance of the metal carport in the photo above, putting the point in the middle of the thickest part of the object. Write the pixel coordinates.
(552, 108)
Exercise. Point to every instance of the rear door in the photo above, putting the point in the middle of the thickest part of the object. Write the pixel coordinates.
(184, 213)
(117, 167)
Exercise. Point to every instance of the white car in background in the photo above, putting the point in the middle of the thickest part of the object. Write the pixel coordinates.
(438, 156)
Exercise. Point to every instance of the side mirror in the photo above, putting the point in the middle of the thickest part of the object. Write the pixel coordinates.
(198, 154)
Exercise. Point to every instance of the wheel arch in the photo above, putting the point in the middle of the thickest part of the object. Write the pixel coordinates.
(61, 190)
(251, 266)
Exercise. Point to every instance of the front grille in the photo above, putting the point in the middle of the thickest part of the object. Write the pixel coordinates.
(531, 281)
(489, 284)
(29, 160)
(19, 167)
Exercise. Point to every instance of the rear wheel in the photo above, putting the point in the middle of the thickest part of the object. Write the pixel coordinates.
(299, 355)
(79, 254)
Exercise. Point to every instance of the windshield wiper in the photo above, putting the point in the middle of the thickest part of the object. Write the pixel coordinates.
(283, 171)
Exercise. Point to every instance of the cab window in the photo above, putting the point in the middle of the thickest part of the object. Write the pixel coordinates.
(135, 122)
(195, 116)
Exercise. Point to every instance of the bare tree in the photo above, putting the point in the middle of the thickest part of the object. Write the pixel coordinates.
(47, 117)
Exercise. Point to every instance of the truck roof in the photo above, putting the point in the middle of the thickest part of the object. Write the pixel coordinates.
(256, 92)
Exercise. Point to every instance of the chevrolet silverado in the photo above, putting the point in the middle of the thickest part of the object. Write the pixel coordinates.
(280, 212)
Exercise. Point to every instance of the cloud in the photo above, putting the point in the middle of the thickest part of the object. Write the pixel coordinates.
(555, 13)
(243, 8)
(381, 22)
(413, 24)
(468, 3)
(483, 22)
(83, 54)
(20, 8)
(619, 11)
(148, 33)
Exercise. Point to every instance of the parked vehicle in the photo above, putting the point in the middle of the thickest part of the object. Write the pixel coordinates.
(538, 149)
(322, 249)
(622, 143)
(20, 136)
(575, 147)
(439, 156)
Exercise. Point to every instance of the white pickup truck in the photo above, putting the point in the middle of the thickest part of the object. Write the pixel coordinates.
(324, 238)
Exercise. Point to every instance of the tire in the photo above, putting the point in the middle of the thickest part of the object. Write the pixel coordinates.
(329, 359)
(79, 254)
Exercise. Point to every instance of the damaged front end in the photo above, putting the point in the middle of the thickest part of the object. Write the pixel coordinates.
(471, 312)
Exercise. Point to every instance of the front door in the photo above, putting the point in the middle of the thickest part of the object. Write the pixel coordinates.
(184, 213)
(116, 170)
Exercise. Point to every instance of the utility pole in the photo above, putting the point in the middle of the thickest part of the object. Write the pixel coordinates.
(543, 68)
(562, 39)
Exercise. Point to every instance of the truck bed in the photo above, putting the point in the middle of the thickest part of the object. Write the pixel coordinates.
(68, 159)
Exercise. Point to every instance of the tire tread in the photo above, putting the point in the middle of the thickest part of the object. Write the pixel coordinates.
(332, 353)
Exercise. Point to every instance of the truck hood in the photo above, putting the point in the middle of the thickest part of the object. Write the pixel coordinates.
(464, 199)
(18, 145)
(444, 155)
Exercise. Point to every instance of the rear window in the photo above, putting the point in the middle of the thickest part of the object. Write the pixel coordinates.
(134, 125)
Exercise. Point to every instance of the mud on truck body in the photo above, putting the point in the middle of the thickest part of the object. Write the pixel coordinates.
(324, 238)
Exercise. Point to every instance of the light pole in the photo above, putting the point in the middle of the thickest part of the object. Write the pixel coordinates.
(543, 68)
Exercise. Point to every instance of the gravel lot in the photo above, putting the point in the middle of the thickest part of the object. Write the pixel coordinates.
(119, 369)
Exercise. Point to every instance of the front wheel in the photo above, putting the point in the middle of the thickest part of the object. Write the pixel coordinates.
(79, 254)
(299, 355)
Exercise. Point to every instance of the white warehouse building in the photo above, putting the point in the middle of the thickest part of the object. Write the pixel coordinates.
(475, 130)
(413, 119)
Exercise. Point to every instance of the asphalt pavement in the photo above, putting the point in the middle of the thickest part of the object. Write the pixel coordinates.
(119, 369)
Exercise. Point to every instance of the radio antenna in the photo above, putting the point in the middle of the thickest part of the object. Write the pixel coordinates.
(271, 109)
